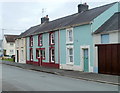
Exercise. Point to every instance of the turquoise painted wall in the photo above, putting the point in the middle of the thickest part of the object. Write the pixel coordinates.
(82, 36)
(27, 48)
(45, 45)
(56, 46)
(63, 46)
(98, 21)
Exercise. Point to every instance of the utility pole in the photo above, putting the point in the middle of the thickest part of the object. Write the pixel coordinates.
(3, 33)
(2, 41)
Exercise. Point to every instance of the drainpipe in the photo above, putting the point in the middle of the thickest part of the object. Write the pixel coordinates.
(59, 48)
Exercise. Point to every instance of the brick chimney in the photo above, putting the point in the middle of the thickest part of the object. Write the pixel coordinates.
(44, 19)
(82, 7)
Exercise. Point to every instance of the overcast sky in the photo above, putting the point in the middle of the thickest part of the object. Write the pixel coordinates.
(16, 16)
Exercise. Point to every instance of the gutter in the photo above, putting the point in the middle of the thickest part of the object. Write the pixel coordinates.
(112, 31)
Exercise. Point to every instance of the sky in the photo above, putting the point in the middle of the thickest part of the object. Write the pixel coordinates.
(16, 16)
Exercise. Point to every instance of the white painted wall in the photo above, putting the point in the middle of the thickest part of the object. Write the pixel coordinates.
(114, 37)
(8, 47)
(21, 47)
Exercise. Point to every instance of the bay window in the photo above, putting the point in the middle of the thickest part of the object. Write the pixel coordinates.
(40, 53)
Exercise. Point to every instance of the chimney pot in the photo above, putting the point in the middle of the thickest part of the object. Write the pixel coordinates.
(44, 19)
(82, 7)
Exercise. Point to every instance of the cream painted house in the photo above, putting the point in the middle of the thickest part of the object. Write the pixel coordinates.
(9, 45)
(20, 50)
(108, 33)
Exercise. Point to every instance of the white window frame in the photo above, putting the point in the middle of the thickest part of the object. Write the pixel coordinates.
(51, 39)
(68, 56)
(67, 36)
(31, 55)
(43, 53)
(31, 41)
(103, 42)
(40, 39)
(52, 55)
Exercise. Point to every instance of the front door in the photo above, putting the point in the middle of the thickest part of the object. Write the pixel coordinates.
(17, 55)
(85, 58)
(39, 57)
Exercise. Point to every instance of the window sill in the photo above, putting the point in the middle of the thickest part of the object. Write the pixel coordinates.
(40, 45)
(52, 44)
(69, 43)
(70, 64)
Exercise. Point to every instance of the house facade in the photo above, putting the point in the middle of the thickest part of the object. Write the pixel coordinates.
(20, 50)
(108, 37)
(9, 45)
(68, 43)
(1, 49)
(42, 49)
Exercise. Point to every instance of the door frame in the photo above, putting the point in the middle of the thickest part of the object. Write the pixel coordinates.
(17, 56)
(82, 56)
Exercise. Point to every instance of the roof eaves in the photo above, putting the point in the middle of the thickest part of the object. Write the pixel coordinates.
(105, 32)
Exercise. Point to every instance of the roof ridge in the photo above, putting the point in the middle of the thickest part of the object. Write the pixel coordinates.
(82, 12)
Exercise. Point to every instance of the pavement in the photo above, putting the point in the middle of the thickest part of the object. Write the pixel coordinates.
(101, 78)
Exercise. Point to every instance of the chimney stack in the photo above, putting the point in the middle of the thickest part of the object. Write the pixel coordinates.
(82, 7)
(44, 19)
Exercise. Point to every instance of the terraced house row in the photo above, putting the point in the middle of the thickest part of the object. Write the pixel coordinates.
(70, 42)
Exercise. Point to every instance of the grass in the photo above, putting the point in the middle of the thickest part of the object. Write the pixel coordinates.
(10, 59)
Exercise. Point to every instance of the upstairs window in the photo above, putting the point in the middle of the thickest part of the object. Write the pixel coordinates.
(17, 43)
(69, 35)
(40, 40)
(52, 38)
(11, 44)
(31, 41)
(104, 38)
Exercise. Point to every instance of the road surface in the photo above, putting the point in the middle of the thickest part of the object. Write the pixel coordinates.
(17, 79)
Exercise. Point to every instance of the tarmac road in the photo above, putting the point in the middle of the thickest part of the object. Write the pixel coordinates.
(17, 79)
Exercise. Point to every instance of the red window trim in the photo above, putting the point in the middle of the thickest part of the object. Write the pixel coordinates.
(31, 41)
(50, 38)
(50, 54)
(31, 49)
(43, 58)
(40, 35)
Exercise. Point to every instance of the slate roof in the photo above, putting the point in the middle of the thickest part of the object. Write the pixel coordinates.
(111, 24)
(72, 20)
(10, 38)
(28, 32)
